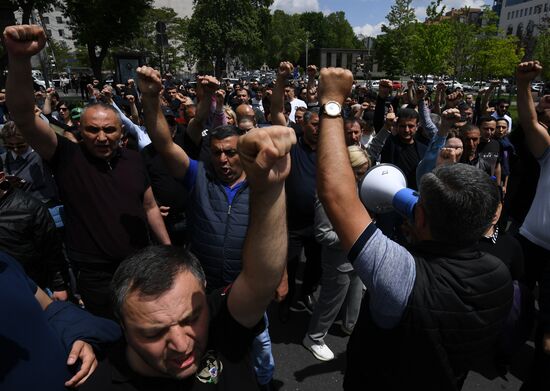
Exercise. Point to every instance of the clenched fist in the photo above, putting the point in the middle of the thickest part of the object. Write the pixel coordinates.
(528, 71)
(24, 41)
(334, 85)
(149, 81)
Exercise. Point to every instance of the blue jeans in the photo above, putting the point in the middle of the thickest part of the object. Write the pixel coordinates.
(262, 357)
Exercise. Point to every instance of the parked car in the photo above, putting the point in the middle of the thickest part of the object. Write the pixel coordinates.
(375, 85)
(453, 84)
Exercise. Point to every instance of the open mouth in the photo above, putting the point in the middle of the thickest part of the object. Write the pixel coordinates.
(183, 362)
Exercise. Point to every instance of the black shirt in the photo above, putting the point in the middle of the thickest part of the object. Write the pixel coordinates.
(490, 151)
(227, 352)
(103, 200)
(301, 185)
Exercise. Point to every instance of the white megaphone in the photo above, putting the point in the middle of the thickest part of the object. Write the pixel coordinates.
(383, 189)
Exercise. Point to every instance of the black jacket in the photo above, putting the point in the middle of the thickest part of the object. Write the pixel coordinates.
(28, 234)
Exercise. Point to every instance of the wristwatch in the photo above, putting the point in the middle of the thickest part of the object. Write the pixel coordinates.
(331, 109)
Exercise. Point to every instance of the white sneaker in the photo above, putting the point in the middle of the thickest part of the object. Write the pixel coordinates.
(318, 348)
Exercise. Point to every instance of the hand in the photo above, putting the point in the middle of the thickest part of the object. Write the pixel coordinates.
(83, 351)
(421, 92)
(449, 117)
(390, 121)
(131, 99)
(220, 97)
(446, 156)
(164, 210)
(311, 71)
(149, 81)
(440, 87)
(24, 41)
(264, 156)
(334, 85)
(385, 88)
(494, 83)
(207, 86)
(365, 106)
(410, 84)
(130, 82)
(2, 97)
(455, 97)
(285, 70)
(526, 72)
(60, 295)
(282, 290)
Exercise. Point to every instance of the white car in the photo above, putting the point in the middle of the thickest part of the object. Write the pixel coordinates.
(453, 84)
(375, 85)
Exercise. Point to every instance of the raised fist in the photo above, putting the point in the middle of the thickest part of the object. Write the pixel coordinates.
(285, 69)
(220, 97)
(528, 71)
(334, 85)
(440, 86)
(149, 81)
(207, 85)
(385, 88)
(311, 71)
(447, 156)
(131, 98)
(449, 117)
(421, 92)
(24, 41)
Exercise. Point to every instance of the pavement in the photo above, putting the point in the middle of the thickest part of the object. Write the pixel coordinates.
(297, 369)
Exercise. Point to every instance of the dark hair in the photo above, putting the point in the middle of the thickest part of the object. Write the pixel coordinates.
(406, 113)
(503, 119)
(460, 202)
(287, 107)
(467, 128)
(351, 121)
(503, 100)
(486, 118)
(151, 273)
(308, 114)
(224, 131)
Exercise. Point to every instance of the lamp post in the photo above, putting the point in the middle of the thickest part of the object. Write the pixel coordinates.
(307, 48)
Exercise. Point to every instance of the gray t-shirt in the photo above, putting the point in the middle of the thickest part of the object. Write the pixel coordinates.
(388, 271)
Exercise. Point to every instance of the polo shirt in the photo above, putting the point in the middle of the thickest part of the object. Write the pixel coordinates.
(105, 219)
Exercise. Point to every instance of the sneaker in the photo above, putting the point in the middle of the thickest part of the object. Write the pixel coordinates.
(298, 306)
(318, 348)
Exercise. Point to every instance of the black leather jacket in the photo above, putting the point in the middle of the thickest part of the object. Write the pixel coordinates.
(28, 234)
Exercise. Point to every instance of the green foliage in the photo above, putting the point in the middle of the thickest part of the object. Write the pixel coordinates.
(392, 48)
(27, 6)
(227, 28)
(542, 48)
(145, 40)
(431, 46)
(433, 12)
(286, 38)
(102, 24)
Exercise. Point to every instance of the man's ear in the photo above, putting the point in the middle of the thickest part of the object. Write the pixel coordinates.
(497, 214)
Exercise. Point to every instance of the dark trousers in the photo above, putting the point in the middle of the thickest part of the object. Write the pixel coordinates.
(537, 270)
(310, 274)
(93, 284)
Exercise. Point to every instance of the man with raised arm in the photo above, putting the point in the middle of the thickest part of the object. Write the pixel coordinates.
(177, 337)
(108, 201)
(431, 314)
(535, 231)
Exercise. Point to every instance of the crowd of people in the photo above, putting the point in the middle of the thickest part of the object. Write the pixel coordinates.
(145, 232)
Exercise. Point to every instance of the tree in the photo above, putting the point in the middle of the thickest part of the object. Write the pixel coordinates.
(223, 28)
(146, 40)
(431, 48)
(542, 47)
(101, 24)
(286, 38)
(393, 46)
(433, 12)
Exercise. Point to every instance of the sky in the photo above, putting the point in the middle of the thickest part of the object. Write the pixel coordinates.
(366, 16)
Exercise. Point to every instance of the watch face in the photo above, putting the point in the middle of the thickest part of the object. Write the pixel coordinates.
(332, 109)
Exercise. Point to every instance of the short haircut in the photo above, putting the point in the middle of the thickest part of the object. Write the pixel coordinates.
(486, 118)
(407, 113)
(308, 114)
(467, 128)
(460, 202)
(505, 120)
(224, 131)
(301, 108)
(287, 107)
(503, 100)
(151, 273)
(10, 129)
(350, 121)
(101, 105)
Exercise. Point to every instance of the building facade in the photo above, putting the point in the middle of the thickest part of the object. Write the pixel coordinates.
(521, 17)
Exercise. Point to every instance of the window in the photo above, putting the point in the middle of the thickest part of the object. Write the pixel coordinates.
(530, 10)
(59, 19)
(61, 32)
(48, 32)
(520, 13)
(510, 30)
(46, 20)
(546, 7)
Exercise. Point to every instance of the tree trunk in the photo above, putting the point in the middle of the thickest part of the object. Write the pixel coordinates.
(96, 62)
(27, 10)
(7, 18)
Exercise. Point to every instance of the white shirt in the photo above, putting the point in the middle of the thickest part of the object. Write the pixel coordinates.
(536, 226)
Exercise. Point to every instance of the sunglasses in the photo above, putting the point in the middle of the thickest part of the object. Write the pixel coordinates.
(63, 109)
